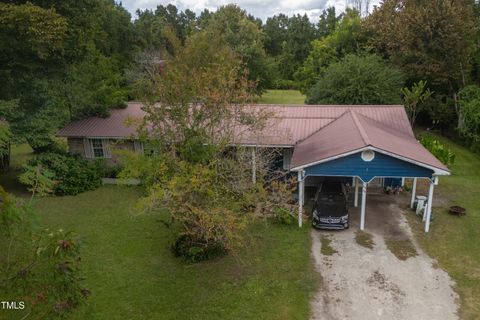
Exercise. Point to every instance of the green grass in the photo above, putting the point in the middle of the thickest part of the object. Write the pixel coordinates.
(282, 97)
(133, 275)
(402, 249)
(455, 241)
(326, 248)
(364, 239)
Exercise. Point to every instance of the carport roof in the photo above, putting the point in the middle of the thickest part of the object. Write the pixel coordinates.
(353, 132)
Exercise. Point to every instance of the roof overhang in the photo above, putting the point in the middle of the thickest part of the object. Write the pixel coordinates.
(436, 171)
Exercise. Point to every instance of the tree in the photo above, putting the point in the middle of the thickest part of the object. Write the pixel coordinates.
(348, 37)
(415, 98)
(245, 38)
(470, 115)
(428, 40)
(289, 42)
(196, 108)
(364, 79)
(327, 22)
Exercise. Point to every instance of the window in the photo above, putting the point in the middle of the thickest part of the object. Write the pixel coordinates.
(287, 158)
(97, 148)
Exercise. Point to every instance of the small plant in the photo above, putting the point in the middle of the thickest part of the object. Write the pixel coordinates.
(439, 150)
(38, 179)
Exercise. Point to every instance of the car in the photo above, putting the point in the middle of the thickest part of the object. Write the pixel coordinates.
(330, 208)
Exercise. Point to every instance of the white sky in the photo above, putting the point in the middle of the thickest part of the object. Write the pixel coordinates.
(261, 9)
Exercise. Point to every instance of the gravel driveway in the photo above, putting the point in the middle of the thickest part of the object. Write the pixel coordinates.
(380, 274)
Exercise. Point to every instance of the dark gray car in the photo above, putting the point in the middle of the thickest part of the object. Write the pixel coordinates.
(330, 209)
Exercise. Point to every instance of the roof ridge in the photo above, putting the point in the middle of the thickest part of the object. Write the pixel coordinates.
(360, 129)
(321, 128)
(384, 127)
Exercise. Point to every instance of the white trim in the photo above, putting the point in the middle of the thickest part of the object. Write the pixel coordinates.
(436, 171)
(288, 146)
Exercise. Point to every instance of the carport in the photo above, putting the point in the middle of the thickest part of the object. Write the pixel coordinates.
(357, 146)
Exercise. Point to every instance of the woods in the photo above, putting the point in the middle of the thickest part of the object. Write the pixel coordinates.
(69, 60)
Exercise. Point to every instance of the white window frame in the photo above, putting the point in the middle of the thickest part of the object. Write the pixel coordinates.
(104, 148)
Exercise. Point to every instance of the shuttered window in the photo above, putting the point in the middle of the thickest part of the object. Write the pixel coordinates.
(97, 148)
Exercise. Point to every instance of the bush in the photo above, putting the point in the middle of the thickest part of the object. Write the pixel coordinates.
(284, 84)
(442, 152)
(71, 175)
(364, 79)
(193, 249)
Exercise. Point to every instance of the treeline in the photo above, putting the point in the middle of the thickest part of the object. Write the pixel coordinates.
(64, 60)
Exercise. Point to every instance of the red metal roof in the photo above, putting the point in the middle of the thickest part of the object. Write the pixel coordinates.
(354, 131)
(317, 132)
(114, 126)
(287, 124)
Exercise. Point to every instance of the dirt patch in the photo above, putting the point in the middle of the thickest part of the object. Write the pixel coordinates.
(326, 248)
(379, 280)
(402, 249)
(364, 239)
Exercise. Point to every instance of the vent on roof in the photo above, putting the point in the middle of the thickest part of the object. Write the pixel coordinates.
(368, 155)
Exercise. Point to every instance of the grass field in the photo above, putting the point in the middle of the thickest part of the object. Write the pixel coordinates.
(132, 274)
(282, 97)
(455, 241)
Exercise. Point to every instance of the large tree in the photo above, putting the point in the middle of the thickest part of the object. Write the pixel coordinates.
(348, 37)
(61, 60)
(428, 40)
(245, 38)
(364, 79)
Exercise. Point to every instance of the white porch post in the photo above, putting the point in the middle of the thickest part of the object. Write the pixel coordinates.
(301, 191)
(356, 181)
(362, 212)
(414, 191)
(254, 166)
(429, 205)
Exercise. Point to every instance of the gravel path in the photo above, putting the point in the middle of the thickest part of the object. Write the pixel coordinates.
(363, 283)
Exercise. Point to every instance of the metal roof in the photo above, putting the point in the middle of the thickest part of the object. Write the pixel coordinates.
(286, 125)
(353, 132)
(114, 126)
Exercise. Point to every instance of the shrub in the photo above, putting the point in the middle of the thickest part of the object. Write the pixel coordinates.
(442, 152)
(39, 267)
(71, 175)
(364, 79)
(285, 84)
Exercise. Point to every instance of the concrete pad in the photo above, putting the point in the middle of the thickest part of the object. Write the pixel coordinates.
(363, 283)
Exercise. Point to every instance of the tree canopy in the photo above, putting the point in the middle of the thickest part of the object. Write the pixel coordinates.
(364, 79)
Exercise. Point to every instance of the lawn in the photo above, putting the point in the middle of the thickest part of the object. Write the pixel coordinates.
(133, 275)
(282, 97)
(454, 241)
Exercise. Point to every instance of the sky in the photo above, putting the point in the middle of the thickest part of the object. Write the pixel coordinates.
(261, 9)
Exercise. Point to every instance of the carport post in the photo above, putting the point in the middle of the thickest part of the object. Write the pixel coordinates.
(254, 166)
(429, 204)
(414, 191)
(364, 199)
(301, 191)
(355, 203)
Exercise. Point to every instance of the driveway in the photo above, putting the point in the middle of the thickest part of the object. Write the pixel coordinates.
(386, 276)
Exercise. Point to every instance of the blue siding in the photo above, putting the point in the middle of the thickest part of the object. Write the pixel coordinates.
(381, 166)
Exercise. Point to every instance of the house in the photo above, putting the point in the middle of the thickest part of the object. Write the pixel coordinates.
(367, 143)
